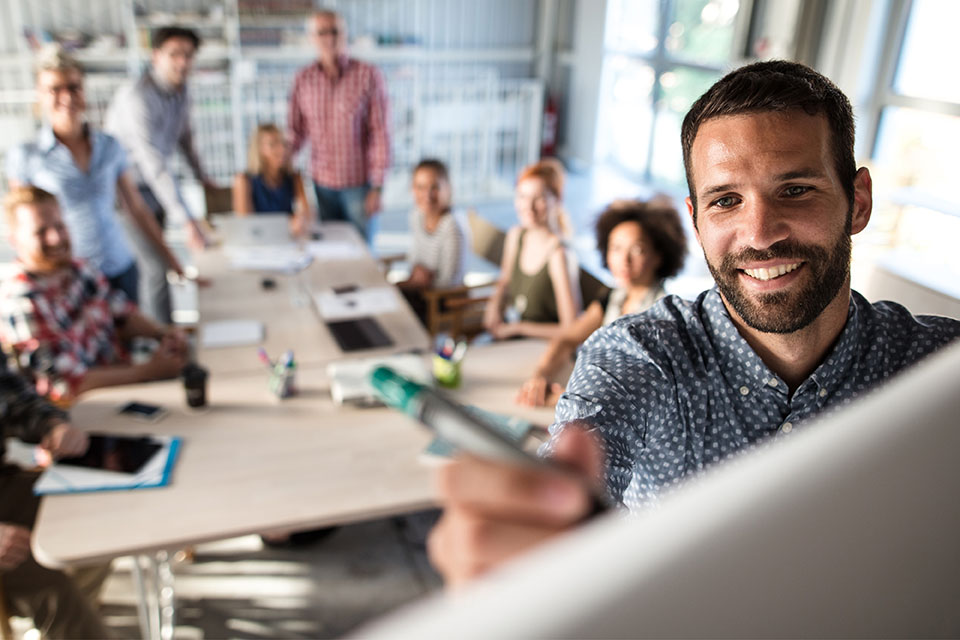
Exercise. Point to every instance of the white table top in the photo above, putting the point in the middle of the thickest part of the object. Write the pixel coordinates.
(288, 312)
(252, 463)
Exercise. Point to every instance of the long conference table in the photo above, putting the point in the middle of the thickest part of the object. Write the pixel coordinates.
(251, 462)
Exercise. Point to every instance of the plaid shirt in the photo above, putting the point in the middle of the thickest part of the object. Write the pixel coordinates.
(345, 121)
(60, 325)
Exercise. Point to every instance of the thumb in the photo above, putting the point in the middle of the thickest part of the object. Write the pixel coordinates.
(581, 450)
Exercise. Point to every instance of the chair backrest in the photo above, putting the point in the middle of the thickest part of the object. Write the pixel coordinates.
(486, 238)
(219, 200)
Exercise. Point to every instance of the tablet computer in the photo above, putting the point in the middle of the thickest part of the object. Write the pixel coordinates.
(125, 454)
(358, 334)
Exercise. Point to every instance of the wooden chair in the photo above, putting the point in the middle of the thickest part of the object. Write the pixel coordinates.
(219, 200)
(6, 631)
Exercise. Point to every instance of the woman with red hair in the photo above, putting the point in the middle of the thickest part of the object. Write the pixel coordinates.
(536, 293)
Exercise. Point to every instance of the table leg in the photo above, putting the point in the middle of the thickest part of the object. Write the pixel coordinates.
(153, 579)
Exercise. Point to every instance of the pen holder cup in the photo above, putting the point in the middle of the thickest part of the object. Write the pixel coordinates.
(446, 372)
(282, 381)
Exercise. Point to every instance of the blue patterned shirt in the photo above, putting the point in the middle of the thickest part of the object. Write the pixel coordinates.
(87, 198)
(677, 388)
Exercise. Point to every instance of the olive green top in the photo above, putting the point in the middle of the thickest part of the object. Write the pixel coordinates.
(531, 295)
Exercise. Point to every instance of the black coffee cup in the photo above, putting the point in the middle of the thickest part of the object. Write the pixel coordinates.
(195, 383)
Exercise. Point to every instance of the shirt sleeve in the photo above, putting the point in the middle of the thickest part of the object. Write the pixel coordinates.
(628, 400)
(29, 331)
(377, 152)
(16, 164)
(451, 255)
(296, 126)
(151, 163)
(189, 149)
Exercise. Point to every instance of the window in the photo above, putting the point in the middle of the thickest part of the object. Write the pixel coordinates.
(660, 56)
(916, 141)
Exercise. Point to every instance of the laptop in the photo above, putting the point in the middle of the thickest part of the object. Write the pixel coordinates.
(359, 334)
(257, 230)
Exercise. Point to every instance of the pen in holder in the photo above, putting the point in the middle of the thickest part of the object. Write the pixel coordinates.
(447, 361)
(281, 381)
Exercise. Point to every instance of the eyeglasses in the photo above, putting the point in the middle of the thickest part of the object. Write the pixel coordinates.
(327, 32)
(73, 88)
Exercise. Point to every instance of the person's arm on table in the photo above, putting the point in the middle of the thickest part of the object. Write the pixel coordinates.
(14, 545)
(242, 195)
(493, 313)
(302, 221)
(539, 390)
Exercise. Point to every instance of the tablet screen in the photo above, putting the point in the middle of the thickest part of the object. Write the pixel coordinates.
(116, 453)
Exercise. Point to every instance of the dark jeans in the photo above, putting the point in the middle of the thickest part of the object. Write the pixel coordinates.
(346, 205)
(129, 282)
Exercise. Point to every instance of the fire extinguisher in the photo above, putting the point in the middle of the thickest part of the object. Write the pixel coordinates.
(548, 143)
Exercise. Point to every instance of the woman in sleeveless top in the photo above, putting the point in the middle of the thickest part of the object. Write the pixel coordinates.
(642, 244)
(270, 185)
(536, 293)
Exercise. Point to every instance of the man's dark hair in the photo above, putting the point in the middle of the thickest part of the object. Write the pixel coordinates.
(779, 86)
(434, 165)
(660, 223)
(163, 34)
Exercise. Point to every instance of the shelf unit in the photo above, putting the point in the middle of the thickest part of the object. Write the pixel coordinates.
(432, 70)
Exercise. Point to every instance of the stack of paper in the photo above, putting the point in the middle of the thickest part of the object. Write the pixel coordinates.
(231, 333)
(358, 303)
(335, 250)
(279, 258)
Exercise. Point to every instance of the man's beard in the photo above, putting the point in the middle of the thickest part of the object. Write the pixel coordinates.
(786, 311)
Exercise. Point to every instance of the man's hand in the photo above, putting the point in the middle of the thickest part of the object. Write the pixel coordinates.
(494, 512)
(174, 341)
(14, 546)
(539, 392)
(372, 202)
(65, 441)
(167, 362)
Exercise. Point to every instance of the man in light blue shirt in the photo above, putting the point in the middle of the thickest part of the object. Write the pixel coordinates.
(86, 169)
(775, 195)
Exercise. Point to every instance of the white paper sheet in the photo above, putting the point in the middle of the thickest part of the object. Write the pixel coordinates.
(231, 333)
(356, 304)
(280, 258)
(335, 250)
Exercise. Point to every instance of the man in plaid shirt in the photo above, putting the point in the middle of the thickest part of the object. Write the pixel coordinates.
(60, 320)
(339, 105)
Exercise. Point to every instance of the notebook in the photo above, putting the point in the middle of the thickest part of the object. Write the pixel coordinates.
(350, 383)
(113, 462)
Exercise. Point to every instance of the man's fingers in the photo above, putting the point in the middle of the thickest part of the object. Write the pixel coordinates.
(511, 492)
(464, 545)
(581, 450)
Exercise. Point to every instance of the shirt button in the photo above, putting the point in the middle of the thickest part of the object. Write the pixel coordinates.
(744, 391)
(823, 392)
(787, 427)
(772, 382)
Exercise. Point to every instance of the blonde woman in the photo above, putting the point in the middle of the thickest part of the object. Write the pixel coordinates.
(537, 293)
(269, 184)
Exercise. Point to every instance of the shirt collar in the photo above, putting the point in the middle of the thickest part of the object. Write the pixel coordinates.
(745, 369)
(46, 140)
(163, 86)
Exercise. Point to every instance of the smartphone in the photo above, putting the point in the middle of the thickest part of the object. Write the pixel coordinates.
(143, 411)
